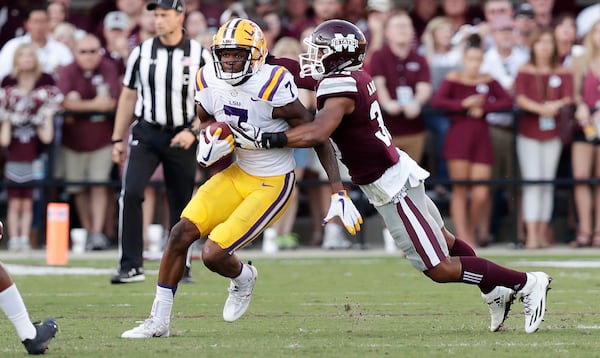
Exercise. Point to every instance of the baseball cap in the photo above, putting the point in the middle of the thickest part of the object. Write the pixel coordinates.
(116, 20)
(525, 10)
(176, 5)
(502, 23)
(379, 5)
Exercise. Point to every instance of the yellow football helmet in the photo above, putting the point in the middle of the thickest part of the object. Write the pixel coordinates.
(240, 34)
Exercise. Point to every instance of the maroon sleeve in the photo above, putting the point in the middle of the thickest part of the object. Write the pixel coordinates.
(376, 64)
(293, 66)
(64, 82)
(502, 100)
(442, 98)
(521, 87)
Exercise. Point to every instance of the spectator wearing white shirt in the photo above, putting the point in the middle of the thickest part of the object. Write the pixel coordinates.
(51, 53)
(501, 61)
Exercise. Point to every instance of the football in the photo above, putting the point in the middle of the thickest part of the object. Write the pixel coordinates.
(1, 230)
(225, 130)
(224, 161)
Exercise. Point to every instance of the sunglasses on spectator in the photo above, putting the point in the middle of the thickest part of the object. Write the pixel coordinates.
(499, 10)
(88, 51)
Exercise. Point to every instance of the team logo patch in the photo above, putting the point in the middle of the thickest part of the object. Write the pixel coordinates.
(413, 66)
(341, 43)
(482, 88)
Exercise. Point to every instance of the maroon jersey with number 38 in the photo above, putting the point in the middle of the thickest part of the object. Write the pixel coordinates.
(362, 139)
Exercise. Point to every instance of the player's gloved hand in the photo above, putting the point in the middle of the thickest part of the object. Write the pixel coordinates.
(247, 136)
(211, 148)
(342, 206)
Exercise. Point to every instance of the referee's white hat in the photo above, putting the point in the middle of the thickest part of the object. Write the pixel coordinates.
(176, 5)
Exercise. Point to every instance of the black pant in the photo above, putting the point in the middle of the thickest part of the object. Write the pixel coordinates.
(150, 146)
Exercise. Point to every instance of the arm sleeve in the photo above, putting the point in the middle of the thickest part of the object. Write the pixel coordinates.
(520, 88)
(64, 82)
(442, 98)
(284, 91)
(501, 99)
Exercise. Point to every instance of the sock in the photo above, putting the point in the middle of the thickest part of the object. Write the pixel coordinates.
(163, 302)
(461, 248)
(13, 306)
(244, 276)
(487, 275)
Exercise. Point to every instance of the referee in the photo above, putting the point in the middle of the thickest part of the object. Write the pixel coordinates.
(158, 92)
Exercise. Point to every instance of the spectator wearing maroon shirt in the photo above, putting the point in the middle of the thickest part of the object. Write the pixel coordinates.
(467, 96)
(403, 81)
(542, 88)
(90, 84)
(26, 110)
(585, 150)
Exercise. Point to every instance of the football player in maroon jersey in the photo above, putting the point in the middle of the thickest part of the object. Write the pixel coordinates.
(349, 114)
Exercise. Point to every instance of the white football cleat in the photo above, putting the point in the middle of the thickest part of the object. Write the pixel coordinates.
(239, 297)
(533, 296)
(499, 301)
(150, 328)
(334, 238)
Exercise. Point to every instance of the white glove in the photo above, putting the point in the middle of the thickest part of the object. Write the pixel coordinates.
(342, 206)
(247, 136)
(211, 148)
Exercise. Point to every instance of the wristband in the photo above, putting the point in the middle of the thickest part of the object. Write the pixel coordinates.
(115, 141)
(274, 140)
(195, 132)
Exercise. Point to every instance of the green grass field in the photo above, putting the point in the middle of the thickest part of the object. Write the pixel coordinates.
(314, 307)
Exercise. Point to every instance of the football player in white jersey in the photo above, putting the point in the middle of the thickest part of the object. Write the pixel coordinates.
(235, 205)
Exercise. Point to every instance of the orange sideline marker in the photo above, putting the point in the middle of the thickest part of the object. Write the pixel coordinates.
(57, 234)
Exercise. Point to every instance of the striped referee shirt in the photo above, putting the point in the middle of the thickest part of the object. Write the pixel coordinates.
(164, 79)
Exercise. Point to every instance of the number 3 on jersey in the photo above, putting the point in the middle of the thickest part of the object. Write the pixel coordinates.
(382, 134)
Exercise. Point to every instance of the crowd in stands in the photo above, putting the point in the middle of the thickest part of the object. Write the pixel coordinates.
(474, 91)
